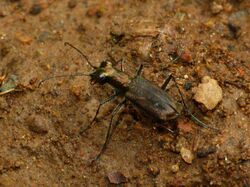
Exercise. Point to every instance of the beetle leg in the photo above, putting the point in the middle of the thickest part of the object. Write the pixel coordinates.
(121, 61)
(82, 130)
(139, 70)
(109, 132)
(166, 128)
(116, 62)
(165, 83)
(192, 117)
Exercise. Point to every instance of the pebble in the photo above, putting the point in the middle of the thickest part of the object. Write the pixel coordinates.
(186, 56)
(94, 11)
(144, 50)
(241, 102)
(153, 170)
(76, 91)
(4, 50)
(175, 168)
(116, 178)
(72, 4)
(238, 18)
(187, 155)
(187, 85)
(23, 38)
(35, 9)
(116, 37)
(44, 36)
(208, 93)
(216, 8)
(38, 124)
(205, 151)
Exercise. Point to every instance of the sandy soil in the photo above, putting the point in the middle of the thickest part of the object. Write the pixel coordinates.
(39, 126)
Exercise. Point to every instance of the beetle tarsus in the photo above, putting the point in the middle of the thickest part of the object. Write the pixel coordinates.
(202, 124)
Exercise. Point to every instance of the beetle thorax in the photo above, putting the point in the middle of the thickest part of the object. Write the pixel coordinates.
(116, 78)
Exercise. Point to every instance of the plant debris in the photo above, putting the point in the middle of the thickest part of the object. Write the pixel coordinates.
(8, 85)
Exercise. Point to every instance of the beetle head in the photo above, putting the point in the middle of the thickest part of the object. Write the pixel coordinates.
(103, 73)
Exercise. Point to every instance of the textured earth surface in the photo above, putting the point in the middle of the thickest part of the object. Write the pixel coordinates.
(39, 125)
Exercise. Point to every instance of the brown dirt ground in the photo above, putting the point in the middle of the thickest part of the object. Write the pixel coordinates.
(39, 136)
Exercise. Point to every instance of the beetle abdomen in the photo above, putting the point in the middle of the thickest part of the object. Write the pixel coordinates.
(151, 99)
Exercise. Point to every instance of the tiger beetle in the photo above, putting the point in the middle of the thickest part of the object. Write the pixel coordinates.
(146, 96)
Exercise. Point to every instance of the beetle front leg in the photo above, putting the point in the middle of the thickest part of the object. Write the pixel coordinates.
(121, 61)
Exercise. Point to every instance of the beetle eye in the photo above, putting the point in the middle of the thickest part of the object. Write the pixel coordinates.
(103, 64)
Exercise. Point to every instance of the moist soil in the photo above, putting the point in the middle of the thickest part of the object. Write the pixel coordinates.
(40, 123)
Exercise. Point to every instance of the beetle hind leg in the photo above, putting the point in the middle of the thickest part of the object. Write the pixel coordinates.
(165, 83)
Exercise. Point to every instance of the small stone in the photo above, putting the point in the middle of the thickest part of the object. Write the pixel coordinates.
(4, 50)
(238, 18)
(116, 37)
(175, 168)
(72, 4)
(205, 151)
(38, 124)
(116, 178)
(81, 28)
(153, 170)
(241, 102)
(144, 50)
(94, 11)
(23, 38)
(184, 126)
(181, 142)
(44, 36)
(187, 85)
(208, 93)
(35, 9)
(216, 8)
(76, 91)
(186, 56)
(187, 155)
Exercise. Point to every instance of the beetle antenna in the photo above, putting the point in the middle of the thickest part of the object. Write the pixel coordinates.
(83, 55)
(60, 76)
(195, 119)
